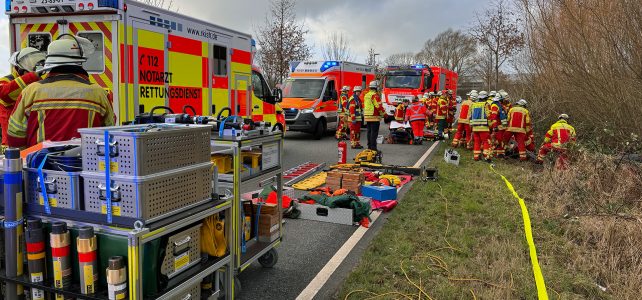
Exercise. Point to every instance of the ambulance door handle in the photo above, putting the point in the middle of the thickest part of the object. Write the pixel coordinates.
(256, 107)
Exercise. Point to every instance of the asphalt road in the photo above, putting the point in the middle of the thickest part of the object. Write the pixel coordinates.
(308, 245)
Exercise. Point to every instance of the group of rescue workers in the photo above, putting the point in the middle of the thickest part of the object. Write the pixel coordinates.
(48, 96)
(487, 123)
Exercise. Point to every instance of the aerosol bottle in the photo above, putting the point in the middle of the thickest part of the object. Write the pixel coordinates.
(86, 245)
(117, 278)
(36, 265)
(60, 254)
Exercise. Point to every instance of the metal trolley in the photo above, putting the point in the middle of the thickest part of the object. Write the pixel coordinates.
(137, 238)
(243, 179)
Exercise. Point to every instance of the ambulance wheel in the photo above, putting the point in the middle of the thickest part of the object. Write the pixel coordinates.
(320, 130)
(269, 259)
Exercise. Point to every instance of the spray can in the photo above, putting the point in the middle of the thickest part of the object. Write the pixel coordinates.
(13, 229)
(60, 254)
(116, 278)
(86, 244)
(36, 265)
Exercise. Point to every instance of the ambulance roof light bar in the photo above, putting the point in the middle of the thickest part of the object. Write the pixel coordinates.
(328, 64)
(22, 7)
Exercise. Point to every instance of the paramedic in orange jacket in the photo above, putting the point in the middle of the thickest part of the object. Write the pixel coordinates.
(464, 134)
(416, 115)
(478, 116)
(342, 114)
(441, 115)
(400, 112)
(23, 73)
(519, 125)
(55, 108)
(557, 137)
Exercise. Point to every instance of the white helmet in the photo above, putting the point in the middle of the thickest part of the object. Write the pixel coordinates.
(483, 95)
(522, 102)
(426, 95)
(563, 117)
(68, 50)
(373, 84)
(492, 93)
(503, 93)
(27, 59)
(345, 88)
(450, 92)
(439, 93)
(474, 95)
(357, 88)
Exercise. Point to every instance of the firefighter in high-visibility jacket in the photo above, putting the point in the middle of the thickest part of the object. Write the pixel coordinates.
(55, 108)
(452, 110)
(498, 122)
(478, 116)
(372, 113)
(560, 134)
(464, 135)
(354, 117)
(23, 73)
(342, 114)
(400, 111)
(416, 115)
(519, 126)
(431, 105)
(442, 115)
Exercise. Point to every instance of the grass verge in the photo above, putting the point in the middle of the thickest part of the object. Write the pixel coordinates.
(462, 237)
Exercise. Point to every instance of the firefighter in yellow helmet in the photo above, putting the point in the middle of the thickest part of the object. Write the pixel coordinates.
(23, 73)
(55, 108)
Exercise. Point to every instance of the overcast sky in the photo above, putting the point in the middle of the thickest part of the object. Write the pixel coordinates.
(390, 26)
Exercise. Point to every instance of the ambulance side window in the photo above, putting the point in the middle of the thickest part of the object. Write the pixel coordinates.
(257, 86)
(220, 60)
(330, 91)
(39, 41)
(96, 61)
(427, 82)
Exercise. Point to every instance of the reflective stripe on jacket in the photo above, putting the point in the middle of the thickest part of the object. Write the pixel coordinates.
(354, 108)
(372, 108)
(463, 112)
(442, 108)
(400, 113)
(342, 105)
(478, 116)
(519, 120)
(416, 112)
(560, 133)
(55, 108)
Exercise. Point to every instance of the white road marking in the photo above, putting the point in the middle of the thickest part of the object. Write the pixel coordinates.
(322, 277)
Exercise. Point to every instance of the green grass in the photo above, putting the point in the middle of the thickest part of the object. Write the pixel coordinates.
(466, 225)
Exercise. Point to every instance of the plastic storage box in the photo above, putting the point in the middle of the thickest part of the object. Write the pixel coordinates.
(381, 193)
(140, 150)
(150, 197)
(64, 189)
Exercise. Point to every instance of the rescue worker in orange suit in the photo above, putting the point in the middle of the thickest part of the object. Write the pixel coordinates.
(519, 125)
(372, 113)
(416, 115)
(342, 114)
(560, 134)
(452, 109)
(55, 108)
(464, 135)
(478, 116)
(400, 112)
(354, 117)
(23, 73)
(498, 121)
(431, 105)
(442, 115)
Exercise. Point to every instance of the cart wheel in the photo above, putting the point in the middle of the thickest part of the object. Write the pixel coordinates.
(269, 259)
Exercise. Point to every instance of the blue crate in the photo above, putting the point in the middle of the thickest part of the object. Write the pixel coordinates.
(381, 193)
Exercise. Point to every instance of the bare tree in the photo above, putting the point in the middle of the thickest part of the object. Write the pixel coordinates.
(371, 60)
(401, 59)
(337, 48)
(498, 33)
(165, 4)
(450, 49)
(281, 40)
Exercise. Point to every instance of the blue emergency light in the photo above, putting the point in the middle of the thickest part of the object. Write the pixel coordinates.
(7, 5)
(418, 66)
(329, 64)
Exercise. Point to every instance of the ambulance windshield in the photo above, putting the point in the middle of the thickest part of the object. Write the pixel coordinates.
(405, 79)
(308, 89)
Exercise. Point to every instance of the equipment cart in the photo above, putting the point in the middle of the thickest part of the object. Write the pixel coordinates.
(256, 163)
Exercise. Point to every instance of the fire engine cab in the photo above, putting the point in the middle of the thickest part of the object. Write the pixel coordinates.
(406, 82)
(150, 57)
(311, 92)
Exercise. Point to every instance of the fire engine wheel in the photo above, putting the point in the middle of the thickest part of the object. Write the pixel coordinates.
(269, 259)
(320, 130)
